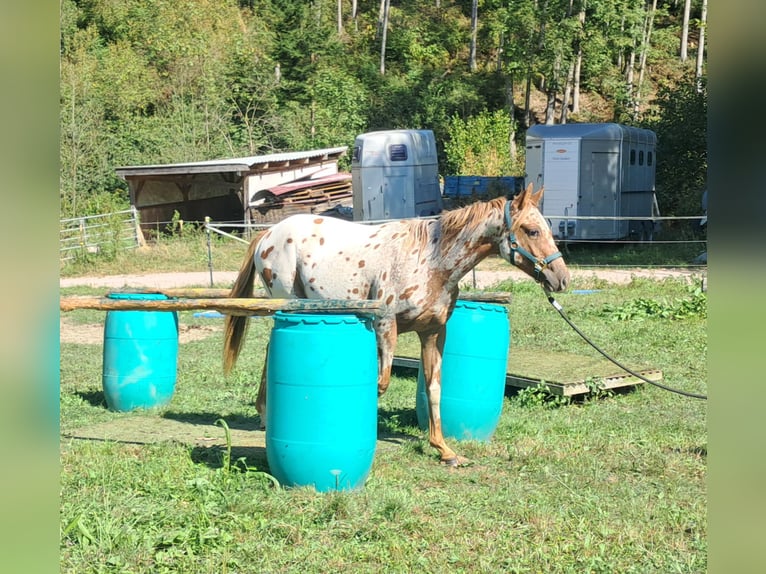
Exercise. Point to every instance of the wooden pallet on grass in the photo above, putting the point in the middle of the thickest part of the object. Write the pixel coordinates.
(562, 374)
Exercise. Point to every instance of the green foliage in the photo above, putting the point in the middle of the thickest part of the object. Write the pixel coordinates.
(692, 306)
(479, 145)
(681, 125)
(539, 396)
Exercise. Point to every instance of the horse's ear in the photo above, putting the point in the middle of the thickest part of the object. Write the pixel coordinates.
(535, 198)
(525, 197)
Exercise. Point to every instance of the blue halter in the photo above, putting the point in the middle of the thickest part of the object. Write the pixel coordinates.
(539, 263)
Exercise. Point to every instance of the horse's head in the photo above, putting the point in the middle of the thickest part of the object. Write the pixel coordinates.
(529, 244)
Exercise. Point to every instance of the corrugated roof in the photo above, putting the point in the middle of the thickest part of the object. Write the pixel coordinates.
(307, 183)
(230, 164)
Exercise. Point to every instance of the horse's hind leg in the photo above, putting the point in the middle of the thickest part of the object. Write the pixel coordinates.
(260, 401)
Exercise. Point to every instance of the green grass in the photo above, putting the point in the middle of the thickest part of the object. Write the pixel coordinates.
(613, 483)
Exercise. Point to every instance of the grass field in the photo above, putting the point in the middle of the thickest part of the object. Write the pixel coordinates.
(611, 483)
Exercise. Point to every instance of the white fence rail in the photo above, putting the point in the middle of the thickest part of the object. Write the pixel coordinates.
(109, 233)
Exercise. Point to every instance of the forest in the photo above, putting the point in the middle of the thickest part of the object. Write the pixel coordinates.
(164, 81)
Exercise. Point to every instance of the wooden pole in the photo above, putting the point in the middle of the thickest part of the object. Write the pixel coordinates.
(500, 297)
(231, 306)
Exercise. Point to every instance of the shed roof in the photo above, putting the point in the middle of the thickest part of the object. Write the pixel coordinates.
(236, 164)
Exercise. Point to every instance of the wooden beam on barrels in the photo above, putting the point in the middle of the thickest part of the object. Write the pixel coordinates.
(500, 297)
(227, 306)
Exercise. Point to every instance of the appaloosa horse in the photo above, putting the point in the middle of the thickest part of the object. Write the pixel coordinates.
(413, 266)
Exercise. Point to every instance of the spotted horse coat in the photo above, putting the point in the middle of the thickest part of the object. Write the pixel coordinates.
(412, 266)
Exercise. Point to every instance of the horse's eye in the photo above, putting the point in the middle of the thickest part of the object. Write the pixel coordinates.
(533, 233)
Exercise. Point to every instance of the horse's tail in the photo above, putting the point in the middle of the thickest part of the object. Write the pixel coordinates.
(235, 326)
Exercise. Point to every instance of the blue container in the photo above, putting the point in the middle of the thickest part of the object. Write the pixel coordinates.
(322, 419)
(140, 356)
(473, 372)
(478, 185)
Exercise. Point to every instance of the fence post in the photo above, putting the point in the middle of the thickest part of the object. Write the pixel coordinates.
(83, 236)
(140, 240)
(209, 249)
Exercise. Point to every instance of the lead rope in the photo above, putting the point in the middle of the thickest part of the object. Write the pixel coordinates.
(561, 312)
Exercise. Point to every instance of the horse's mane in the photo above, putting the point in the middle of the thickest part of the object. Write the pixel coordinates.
(451, 224)
(468, 218)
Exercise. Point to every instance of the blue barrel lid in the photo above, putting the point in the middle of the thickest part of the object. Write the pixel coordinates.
(137, 296)
(300, 317)
(478, 305)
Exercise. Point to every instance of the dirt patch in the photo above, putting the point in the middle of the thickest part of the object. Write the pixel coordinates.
(487, 273)
(93, 333)
(143, 429)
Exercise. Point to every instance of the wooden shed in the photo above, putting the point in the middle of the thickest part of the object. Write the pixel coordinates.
(234, 190)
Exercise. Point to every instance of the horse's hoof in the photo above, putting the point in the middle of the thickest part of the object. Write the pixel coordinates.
(456, 461)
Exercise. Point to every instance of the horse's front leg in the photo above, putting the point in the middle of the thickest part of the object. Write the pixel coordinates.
(385, 332)
(432, 347)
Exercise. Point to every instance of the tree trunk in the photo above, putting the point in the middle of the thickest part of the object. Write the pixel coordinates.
(381, 13)
(512, 114)
(386, 4)
(578, 62)
(340, 17)
(550, 92)
(685, 30)
(567, 92)
(629, 72)
(355, 14)
(500, 50)
(474, 31)
(642, 64)
(620, 53)
(527, 100)
(701, 46)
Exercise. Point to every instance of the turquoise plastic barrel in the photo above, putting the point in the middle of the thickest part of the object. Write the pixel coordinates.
(140, 356)
(473, 372)
(322, 401)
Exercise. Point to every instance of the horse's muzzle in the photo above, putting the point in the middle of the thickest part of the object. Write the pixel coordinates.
(555, 277)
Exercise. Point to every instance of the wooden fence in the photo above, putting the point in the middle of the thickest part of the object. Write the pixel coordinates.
(109, 233)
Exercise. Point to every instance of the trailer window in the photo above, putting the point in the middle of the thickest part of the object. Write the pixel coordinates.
(397, 152)
(357, 153)
(641, 157)
(632, 157)
(648, 158)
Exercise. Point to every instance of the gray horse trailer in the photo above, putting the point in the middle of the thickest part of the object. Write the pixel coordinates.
(594, 170)
(395, 174)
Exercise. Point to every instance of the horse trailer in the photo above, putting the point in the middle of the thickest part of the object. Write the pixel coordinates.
(395, 174)
(594, 170)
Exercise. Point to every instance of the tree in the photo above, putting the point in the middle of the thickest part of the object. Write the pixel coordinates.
(701, 45)
(681, 126)
(474, 31)
(385, 6)
(685, 30)
(646, 39)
